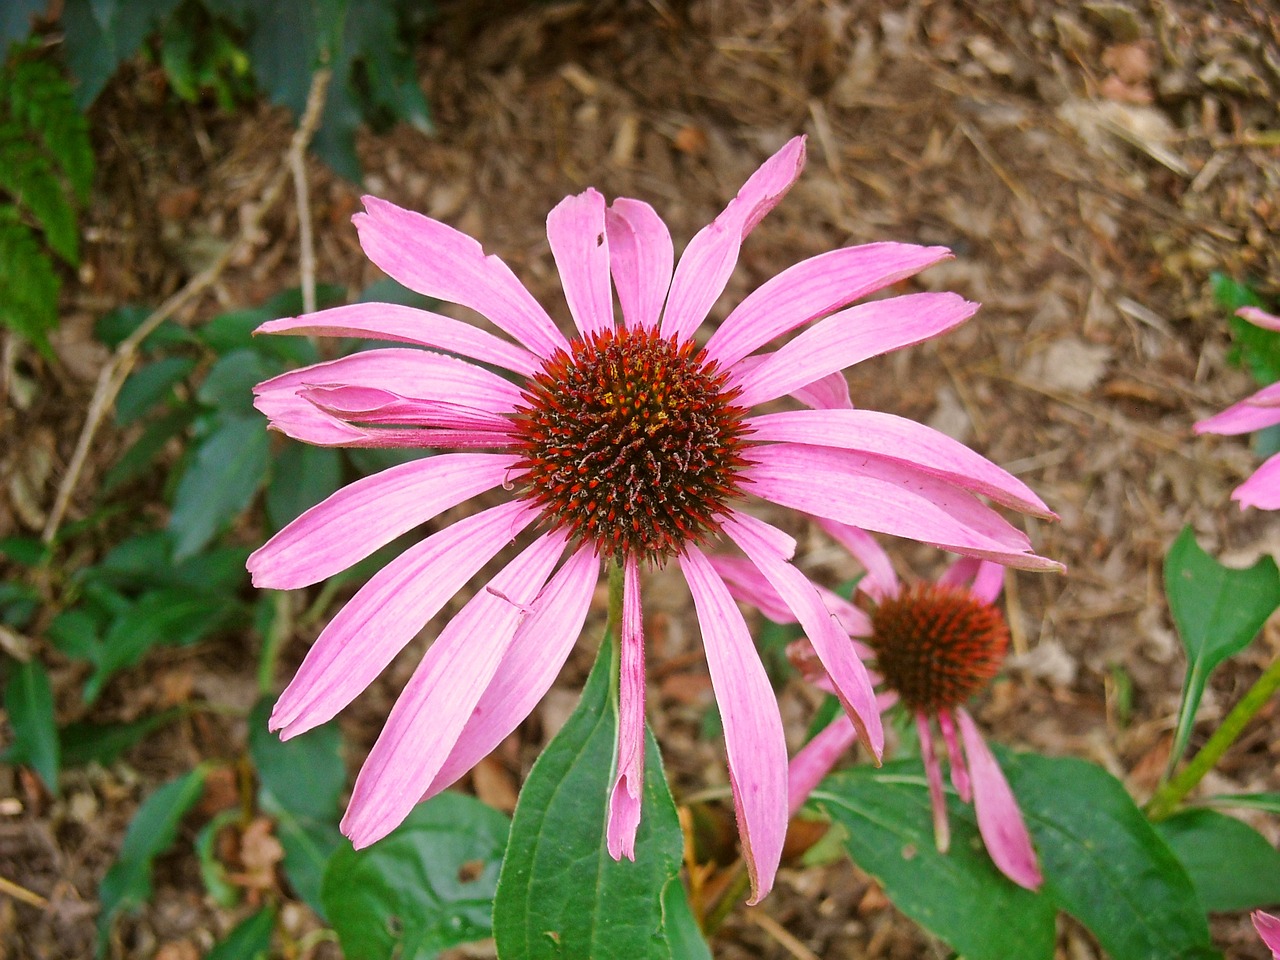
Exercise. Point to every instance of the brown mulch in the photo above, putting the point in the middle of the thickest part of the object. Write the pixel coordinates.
(1090, 166)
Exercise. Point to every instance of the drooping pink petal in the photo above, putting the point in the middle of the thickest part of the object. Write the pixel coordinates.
(902, 441)
(439, 698)
(959, 770)
(816, 758)
(628, 763)
(1259, 318)
(983, 578)
(749, 585)
(396, 322)
(1256, 412)
(887, 497)
(754, 741)
(1262, 489)
(438, 261)
(580, 246)
(851, 336)
(370, 513)
(538, 650)
(769, 548)
(640, 258)
(372, 405)
(814, 288)
(1268, 927)
(707, 262)
(880, 582)
(387, 612)
(933, 774)
(999, 820)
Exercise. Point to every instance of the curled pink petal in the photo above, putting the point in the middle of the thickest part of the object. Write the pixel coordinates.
(826, 393)
(628, 764)
(999, 820)
(879, 582)
(933, 774)
(640, 258)
(580, 246)
(816, 758)
(959, 770)
(1262, 489)
(707, 262)
(1259, 318)
(368, 405)
(754, 741)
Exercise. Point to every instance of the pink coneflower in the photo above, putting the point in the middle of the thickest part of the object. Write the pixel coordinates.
(1262, 489)
(935, 645)
(1268, 927)
(627, 442)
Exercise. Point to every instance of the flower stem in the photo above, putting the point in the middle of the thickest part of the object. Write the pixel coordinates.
(281, 627)
(1167, 797)
(615, 602)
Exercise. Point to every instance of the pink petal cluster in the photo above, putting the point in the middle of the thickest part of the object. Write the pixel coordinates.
(495, 659)
(1268, 928)
(975, 774)
(1261, 410)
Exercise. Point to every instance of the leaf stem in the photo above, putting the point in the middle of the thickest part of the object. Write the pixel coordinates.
(1168, 796)
(281, 627)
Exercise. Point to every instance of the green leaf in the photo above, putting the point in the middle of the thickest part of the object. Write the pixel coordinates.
(99, 35)
(1232, 866)
(212, 870)
(1218, 611)
(681, 927)
(15, 20)
(138, 458)
(221, 481)
(25, 551)
(152, 831)
(28, 284)
(959, 896)
(103, 743)
(115, 326)
(148, 386)
(229, 384)
(1104, 863)
(1270, 802)
(301, 477)
(250, 940)
(28, 699)
(560, 893)
(427, 886)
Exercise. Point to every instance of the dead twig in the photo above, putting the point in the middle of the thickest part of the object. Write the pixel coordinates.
(117, 370)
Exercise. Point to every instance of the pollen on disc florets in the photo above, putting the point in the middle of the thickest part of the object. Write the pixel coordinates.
(632, 442)
(937, 645)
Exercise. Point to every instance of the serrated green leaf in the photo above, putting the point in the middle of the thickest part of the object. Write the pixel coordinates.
(151, 832)
(427, 886)
(27, 175)
(560, 893)
(104, 743)
(98, 35)
(28, 700)
(959, 896)
(28, 284)
(1232, 866)
(250, 940)
(225, 473)
(1218, 611)
(1104, 863)
(301, 477)
(148, 386)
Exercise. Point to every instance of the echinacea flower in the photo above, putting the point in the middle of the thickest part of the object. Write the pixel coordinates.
(625, 442)
(1268, 928)
(934, 645)
(1261, 410)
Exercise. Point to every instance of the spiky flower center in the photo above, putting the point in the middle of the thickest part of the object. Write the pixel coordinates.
(632, 442)
(937, 645)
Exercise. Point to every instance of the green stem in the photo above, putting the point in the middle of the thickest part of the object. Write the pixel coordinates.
(732, 896)
(1166, 798)
(615, 602)
(281, 627)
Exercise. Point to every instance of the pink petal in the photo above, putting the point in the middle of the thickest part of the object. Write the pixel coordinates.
(628, 763)
(538, 650)
(889, 498)
(754, 741)
(959, 771)
(580, 247)
(640, 257)
(369, 513)
(999, 819)
(933, 773)
(1256, 412)
(392, 321)
(709, 259)
(1259, 318)
(983, 579)
(902, 441)
(826, 393)
(814, 288)
(852, 336)
(1268, 928)
(1262, 490)
(370, 405)
(388, 611)
(439, 698)
(438, 261)
(880, 581)
(768, 548)
(816, 758)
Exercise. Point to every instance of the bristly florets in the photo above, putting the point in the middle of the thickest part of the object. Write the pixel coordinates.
(631, 442)
(937, 645)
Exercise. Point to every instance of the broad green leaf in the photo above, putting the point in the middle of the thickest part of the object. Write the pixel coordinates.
(138, 458)
(308, 845)
(28, 699)
(220, 481)
(103, 743)
(1104, 863)
(1232, 866)
(427, 886)
(681, 927)
(959, 896)
(560, 893)
(301, 477)
(151, 832)
(1218, 611)
(250, 940)
(25, 551)
(149, 385)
